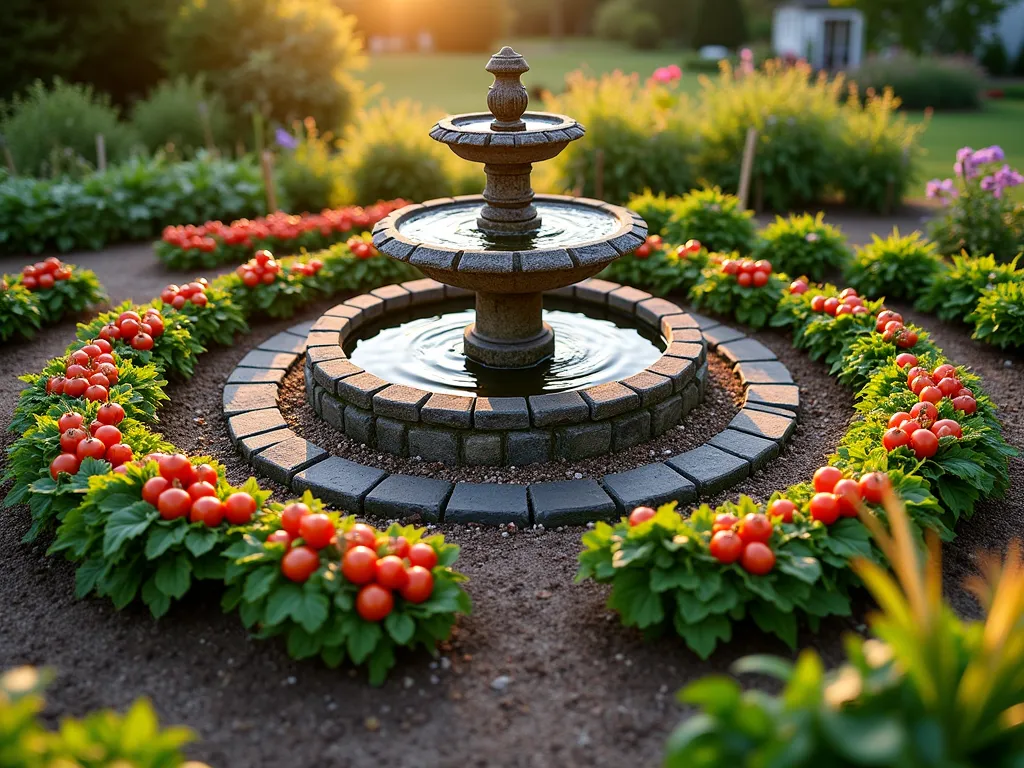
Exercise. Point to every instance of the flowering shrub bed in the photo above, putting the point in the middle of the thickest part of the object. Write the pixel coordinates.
(896, 266)
(42, 294)
(926, 430)
(67, 215)
(803, 245)
(214, 243)
(144, 522)
(102, 738)
(713, 218)
(742, 287)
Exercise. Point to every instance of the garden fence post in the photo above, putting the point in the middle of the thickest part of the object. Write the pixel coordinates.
(747, 167)
(101, 153)
(268, 180)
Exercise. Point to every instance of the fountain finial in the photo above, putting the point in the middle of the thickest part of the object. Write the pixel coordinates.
(507, 97)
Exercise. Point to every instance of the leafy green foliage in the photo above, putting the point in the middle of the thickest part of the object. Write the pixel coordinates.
(281, 298)
(999, 316)
(180, 112)
(713, 218)
(318, 617)
(70, 297)
(863, 355)
(954, 292)
(218, 322)
(100, 739)
(19, 311)
(343, 271)
(53, 130)
(979, 223)
(720, 293)
(310, 176)
(803, 245)
(665, 271)
(895, 267)
(655, 208)
(925, 82)
(125, 549)
(130, 201)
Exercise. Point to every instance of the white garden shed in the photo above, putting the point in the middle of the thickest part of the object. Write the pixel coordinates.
(828, 37)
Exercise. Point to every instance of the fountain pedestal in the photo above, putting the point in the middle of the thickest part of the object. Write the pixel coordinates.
(509, 245)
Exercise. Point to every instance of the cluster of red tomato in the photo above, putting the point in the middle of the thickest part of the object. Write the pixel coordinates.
(178, 296)
(307, 268)
(748, 272)
(921, 428)
(44, 274)
(90, 372)
(890, 325)
(184, 489)
(848, 303)
(102, 441)
(360, 248)
(837, 496)
(688, 248)
(261, 268)
(139, 331)
(277, 226)
(404, 569)
(648, 246)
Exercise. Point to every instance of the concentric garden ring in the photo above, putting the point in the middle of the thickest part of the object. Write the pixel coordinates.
(256, 426)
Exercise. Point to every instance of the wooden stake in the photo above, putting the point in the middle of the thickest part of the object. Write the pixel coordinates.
(268, 180)
(747, 167)
(101, 153)
(599, 174)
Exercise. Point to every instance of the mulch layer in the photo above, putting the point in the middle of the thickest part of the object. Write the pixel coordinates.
(541, 674)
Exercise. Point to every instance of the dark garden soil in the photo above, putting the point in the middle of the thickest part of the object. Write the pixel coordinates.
(542, 674)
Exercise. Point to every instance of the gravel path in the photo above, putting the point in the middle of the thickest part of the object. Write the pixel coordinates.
(541, 674)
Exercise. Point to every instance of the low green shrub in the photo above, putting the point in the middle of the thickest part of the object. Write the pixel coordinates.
(715, 219)
(980, 218)
(998, 317)
(727, 288)
(639, 136)
(895, 267)
(19, 311)
(954, 292)
(926, 81)
(655, 208)
(803, 245)
(387, 154)
(612, 18)
(184, 113)
(664, 269)
(310, 171)
(51, 129)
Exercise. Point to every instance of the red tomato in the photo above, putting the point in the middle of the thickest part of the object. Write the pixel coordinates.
(818, 304)
(250, 279)
(782, 508)
(104, 346)
(280, 536)
(910, 426)
(726, 546)
(763, 265)
(291, 517)
(847, 492)
(897, 418)
(239, 508)
(207, 474)
(359, 565)
(873, 487)
(75, 387)
(419, 584)
(757, 559)
(944, 371)
(199, 490)
(914, 372)
(731, 267)
(66, 463)
(930, 394)
(744, 279)
(423, 554)
(207, 509)
(760, 279)
(920, 383)
(269, 278)
(70, 421)
(91, 448)
(108, 435)
(831, 306)
(70, 438)
(96, 393)
(129, 327)
(641, 515)
(91, 350)
(398, 545)
(966, 404)
(110, 413)
(316, 530)
(391, 573)
(906, 338)
(176, 467)
(299, 564)
(924, 443)
(119, 454)
(174, 503)
(55, 385)
(374, 603)
(156, 326)
(153, 488)
(363, 535)
(755, 527)
(79, 357)
(128, 315)
(852, 301)
(825, 479)
(894, 439)
(885, 317)
(843, 309)
(142, 342)
(924, 414)
(949, 387)
(825, 507)
(724, 522)
(798, 287)
(944, 427)
(110, 332)
(847, 292)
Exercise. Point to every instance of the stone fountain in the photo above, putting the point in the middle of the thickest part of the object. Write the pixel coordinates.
(509, 245)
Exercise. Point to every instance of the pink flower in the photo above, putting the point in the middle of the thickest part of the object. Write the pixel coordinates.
(675, 71)
(668, 74)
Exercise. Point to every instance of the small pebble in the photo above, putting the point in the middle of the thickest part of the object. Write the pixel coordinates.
(292, 680)
(578, 475)
(501, 682)
(408, 682)
(371, 724)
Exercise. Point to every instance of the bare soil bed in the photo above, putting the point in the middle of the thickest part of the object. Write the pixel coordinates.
(541, 674)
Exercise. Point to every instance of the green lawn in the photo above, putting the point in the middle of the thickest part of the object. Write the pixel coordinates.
(458, 83)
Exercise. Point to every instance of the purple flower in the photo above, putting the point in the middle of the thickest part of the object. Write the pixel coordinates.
(941, 189)
(965, 165)
(284, 139)
(991, 184)
(992, 154)
(1008, 177)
